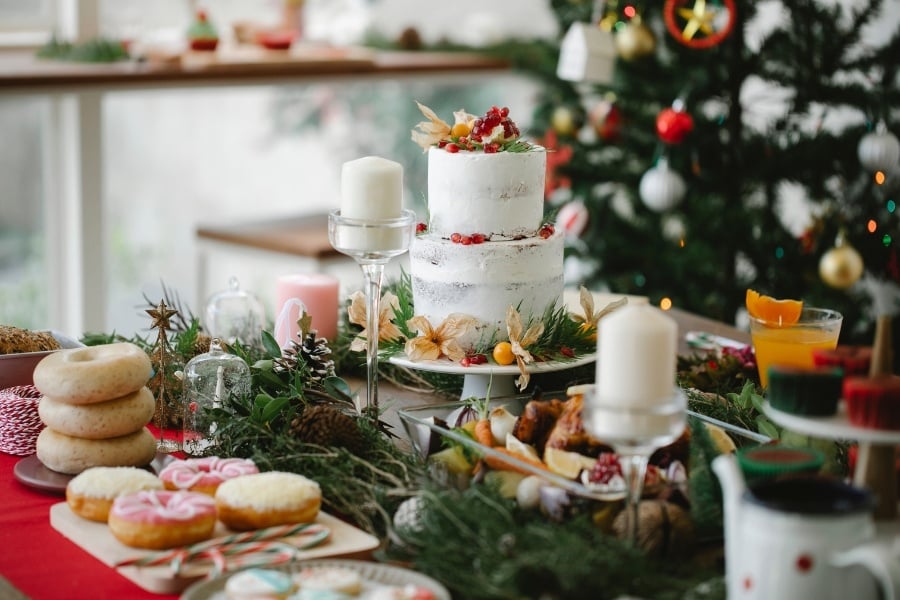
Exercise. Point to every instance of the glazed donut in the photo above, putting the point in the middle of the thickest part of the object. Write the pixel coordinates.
(157, 520)
(102, 420)
(93, 374)
(66, 454)
(204, 474)
(268, 499)
(90, 494)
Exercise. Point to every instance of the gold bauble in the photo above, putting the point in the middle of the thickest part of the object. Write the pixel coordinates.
(635, 41)
(567, 120)
(841, 267)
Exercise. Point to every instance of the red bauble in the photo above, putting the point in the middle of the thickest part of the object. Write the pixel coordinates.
(673, 126)
(606, 118)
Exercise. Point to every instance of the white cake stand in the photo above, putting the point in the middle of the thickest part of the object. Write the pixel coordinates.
(500, 378)
(875, 467)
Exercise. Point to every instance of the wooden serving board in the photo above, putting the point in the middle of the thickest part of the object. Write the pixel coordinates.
(95, 538)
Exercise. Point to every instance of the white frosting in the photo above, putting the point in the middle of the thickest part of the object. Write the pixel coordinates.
(483, 280)
(270, 490)
(495, 194)
(109, 482)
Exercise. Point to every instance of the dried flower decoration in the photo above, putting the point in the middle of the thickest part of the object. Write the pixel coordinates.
(440, 341)
(521, 342)
(387, 330)
(435, 129)
(590, 318)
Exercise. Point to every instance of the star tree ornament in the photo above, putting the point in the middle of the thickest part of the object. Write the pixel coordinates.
(700, 24)
(661, 188)
(842, 266)
(879, 150)
(162, 316)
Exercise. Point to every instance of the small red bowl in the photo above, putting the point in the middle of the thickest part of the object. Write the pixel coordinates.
(276, 40)
(204, 44)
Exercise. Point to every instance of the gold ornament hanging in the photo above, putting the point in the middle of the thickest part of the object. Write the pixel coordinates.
(635, 41)
(842, 266)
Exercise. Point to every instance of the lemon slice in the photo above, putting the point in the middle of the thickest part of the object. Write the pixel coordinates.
(520, 448)
(567, 464)
(723, 442)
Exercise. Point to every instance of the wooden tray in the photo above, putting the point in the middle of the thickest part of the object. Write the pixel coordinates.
(95, 538)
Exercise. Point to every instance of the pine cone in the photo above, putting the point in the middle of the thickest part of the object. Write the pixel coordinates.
(325, 425)
(201, 344)
(314, 352)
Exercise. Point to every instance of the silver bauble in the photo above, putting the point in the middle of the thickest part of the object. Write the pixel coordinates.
(879, 150)
(662, 188)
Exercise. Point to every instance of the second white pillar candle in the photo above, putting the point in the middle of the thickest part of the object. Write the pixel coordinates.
(636, 356)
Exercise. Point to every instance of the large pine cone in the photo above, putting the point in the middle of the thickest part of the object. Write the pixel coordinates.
(327, 426)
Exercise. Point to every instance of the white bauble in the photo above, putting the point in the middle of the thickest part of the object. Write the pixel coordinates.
(661, 188)
(879, 150)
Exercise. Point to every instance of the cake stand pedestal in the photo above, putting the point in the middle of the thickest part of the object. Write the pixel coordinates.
(875, 465)
(500, 379)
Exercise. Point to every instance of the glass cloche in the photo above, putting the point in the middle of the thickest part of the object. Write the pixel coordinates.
(209, 380)
(235, 315)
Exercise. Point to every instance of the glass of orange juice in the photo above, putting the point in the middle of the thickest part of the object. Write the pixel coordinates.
(793, 344)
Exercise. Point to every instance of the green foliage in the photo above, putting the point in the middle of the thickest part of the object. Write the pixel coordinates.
(97, 50)
(490, 548)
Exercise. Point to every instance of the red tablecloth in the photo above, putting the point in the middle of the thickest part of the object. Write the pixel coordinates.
(38, 560)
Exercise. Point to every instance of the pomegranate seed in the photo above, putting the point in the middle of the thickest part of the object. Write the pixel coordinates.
(452, 148)
(566, 351)
(481, 358)
(504, 112)
(455, 237)
(466, 240)
(478, 238)
(465, 361)
(442, 143)
(463, 140)
(421, 227)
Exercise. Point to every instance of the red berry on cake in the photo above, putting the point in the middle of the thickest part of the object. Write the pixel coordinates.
(421, 227)
(452, 148)
(465, 240)
(547, 231)
(478, 238)
(455, 237)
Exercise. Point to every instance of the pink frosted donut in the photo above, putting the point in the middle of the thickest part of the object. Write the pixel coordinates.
(157, 520)
(93, 374)
(204, 474)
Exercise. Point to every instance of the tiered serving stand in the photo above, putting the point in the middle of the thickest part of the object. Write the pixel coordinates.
(875, 468)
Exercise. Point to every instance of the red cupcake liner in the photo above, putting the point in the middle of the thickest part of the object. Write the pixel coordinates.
(854, 360)
(20, 422)
(873, 402)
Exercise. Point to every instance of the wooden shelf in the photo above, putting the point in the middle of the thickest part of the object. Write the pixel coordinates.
(23, 71)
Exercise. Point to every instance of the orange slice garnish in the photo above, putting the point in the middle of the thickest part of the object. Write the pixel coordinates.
(772, 310)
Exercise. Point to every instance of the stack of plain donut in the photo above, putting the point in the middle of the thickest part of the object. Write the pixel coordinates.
(95, 407)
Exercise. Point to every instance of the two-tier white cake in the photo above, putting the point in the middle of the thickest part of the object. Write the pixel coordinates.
(486, 246)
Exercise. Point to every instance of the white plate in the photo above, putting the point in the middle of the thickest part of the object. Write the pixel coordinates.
(374, 575)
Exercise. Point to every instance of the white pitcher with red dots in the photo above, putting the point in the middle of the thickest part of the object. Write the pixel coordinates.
(803, 538)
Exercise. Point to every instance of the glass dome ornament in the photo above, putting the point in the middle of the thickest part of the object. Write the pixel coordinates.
(210, 379)
(235, 315)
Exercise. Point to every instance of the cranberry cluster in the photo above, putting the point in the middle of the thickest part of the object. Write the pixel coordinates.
(606, 467)
(473, 359)
(466, 240)
(483, 127)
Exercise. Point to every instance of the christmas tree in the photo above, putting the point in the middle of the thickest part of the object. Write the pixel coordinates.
(673, 164)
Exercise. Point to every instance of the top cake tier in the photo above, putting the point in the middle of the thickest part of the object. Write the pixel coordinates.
(499, 194)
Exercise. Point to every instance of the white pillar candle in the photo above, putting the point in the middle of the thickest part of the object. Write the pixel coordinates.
(636, 356)
(371, 189)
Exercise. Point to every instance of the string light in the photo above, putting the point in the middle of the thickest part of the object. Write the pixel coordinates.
(886, 240)
(681, 243)
(629, 11)
(879, 177)
(872, 226)
(640, 280)
(779, 252)
(891, 206)
(665, 303)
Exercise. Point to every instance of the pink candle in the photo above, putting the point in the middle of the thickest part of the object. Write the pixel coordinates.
(319, 295)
